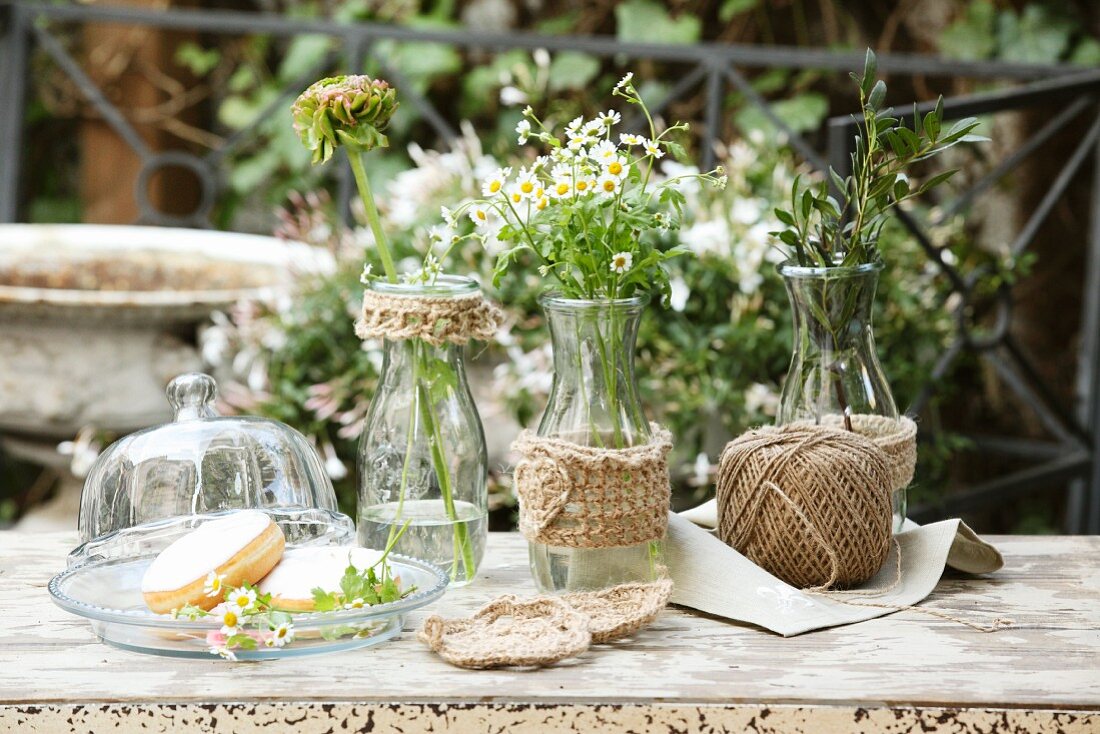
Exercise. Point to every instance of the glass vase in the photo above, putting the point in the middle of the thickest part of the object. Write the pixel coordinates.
(835, 373)
(423, 463)
(594, 402)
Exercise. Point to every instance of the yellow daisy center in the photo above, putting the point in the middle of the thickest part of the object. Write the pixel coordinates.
(526, 187)
(562, 189)
(542, 204)
(615, 168)
(280, 633)
(481, 214)
(517, 198)
(620, 262)
(230, 618)
(582, 185)
(242, 601)
(609, 186)
(494, 186)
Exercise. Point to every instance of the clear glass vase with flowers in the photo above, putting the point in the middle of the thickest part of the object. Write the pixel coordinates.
(588, 210)
(423, 464)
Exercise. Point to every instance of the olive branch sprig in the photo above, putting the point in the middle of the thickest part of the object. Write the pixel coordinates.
(824, 230)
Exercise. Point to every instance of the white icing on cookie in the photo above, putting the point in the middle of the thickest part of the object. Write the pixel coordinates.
(303, 569)
(208, 546)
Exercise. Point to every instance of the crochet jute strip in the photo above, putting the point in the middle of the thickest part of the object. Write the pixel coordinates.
(621, 610)
(543, 630)
(898, 438)
(510, 632)
(577, 496)
(810, 504)
(434, 319)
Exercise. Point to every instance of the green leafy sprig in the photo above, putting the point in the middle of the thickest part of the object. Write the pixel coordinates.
(825, 231)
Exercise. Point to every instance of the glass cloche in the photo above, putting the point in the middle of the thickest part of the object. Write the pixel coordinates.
(152, 486)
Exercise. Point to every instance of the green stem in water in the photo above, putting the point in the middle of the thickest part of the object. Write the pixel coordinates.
(375, 222)
(439, 463)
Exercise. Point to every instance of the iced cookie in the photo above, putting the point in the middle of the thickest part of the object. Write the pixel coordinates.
(301, 570)
(241, 548)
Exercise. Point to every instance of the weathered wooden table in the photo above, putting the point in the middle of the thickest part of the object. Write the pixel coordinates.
(906, 672)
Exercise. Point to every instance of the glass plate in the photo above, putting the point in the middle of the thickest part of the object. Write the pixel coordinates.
(108, 593)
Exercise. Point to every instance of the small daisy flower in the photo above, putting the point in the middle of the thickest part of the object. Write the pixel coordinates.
(575, 125)
(356, 603)
(528, 111)
(364, 278)
(579, 141)
(604, 152)
(585, 186)
(594, 126)
(231, 621)
(214, 580)
(242, 600)
(562, 155)
(562, 187)
(618, 168)
(481, 216)
(608, 185)
(653, 148)
(223, 652)
(281, 635)
(625, 80)
(448, 216)
(621, 262)
(494, 184)
(540, 163)
(526, 184)
(610, 118)
(631, 139)
(523, 130)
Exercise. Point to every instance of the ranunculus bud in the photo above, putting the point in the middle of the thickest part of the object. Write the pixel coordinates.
(344, 110)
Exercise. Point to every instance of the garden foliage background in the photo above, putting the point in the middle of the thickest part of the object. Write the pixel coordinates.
(711, 360)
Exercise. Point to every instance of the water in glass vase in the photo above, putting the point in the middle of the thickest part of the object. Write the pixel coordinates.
(431, 533)
(594, 403)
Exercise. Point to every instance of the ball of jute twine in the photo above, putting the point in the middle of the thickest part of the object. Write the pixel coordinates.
(576, 496)
(810, 504)
(433, 319)
(509, 632)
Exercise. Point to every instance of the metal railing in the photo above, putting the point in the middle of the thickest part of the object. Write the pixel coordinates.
(710, 69)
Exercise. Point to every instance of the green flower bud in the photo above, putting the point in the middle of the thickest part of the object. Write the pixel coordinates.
(344, 110)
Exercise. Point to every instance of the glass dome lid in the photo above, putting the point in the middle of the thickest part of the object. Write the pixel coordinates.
(150, 487)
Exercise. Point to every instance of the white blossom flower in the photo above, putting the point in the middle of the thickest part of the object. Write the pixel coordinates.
(610, 118)
(653, 148)
(631, 139)
(680, 292)
(527, 185)
(364, 277)
(511, 95)
(708, 237)
(481, 216)
(584, 186)
(562, 155)
(621, 262)
(494, 184)
(618, 168)
(242, 599)
(608, 185)
(213, 584)
(603, 152)
(231, 621)
(223, 652)
(356, 603)
(283, 634)
(627, 79)
(523, 130)
(594, 126)
(574, 125)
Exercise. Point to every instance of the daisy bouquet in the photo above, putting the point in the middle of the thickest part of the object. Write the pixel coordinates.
(591, 212)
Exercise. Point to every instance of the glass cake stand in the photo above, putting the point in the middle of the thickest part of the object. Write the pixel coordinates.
(108, 594)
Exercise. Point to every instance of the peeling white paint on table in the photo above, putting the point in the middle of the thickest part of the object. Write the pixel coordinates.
(901, 673)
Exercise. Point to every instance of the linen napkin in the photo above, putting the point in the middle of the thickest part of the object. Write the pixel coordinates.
(714, 578)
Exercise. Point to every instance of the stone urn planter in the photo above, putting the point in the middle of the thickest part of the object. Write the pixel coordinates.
(96, 319)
